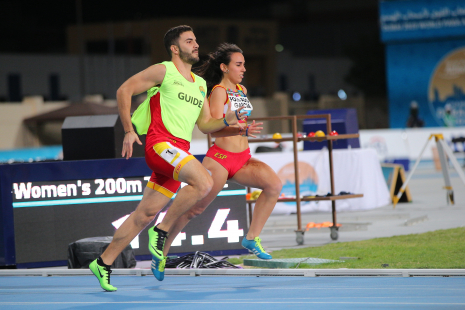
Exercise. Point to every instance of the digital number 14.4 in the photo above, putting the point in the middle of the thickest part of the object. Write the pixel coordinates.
(232, 231)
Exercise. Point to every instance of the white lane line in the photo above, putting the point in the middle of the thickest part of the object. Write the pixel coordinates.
(209, 288)
(232, 302)
(297, 298)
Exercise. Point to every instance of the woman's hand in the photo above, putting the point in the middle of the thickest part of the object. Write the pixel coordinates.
(232, 117)
(252, 129)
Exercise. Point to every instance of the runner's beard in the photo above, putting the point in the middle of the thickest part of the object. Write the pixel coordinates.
(188, 58)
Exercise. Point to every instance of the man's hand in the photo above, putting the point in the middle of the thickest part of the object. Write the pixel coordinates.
(129, 139)
(252, 129)
(232, 117)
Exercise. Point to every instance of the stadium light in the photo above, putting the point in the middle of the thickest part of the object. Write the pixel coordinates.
(342, 94)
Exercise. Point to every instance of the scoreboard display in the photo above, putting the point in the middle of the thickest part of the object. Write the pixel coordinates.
(49, 213)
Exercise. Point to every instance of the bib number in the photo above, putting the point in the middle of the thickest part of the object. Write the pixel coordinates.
(239, 101)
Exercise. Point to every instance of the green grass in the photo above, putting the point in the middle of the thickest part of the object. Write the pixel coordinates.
(441, 249)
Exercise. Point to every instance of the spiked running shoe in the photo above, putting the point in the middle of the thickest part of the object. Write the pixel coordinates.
(103, 275)
(158, 268)
(157, 239)
(255, 247)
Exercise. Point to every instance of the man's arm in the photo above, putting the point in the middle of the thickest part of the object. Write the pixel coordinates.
(249, 131)
(209, 122)
(135, 85)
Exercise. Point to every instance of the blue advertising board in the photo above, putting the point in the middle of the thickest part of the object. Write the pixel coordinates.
(425, 72)
(427, 19)
(425, 63)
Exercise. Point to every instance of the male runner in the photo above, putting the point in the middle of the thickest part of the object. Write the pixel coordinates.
(175, 103)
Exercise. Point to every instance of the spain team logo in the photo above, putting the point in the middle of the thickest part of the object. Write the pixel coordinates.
(202, 91)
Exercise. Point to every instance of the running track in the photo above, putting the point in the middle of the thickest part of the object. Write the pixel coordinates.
(233, 292)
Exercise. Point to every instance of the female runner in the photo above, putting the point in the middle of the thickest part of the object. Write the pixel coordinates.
(229, 157)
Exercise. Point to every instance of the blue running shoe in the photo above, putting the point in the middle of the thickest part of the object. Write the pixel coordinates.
(158, 268)
(255, 247)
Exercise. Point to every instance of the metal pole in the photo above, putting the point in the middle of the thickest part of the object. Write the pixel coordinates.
(445, 171)
(453, 160)
(296, 174)
(331, 172)
(404, 186)
(250, 208)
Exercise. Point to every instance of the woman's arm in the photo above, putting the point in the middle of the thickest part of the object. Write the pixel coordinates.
(217, 99)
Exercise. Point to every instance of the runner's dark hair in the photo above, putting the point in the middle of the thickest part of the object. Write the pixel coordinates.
(172, 36)
(210, 70)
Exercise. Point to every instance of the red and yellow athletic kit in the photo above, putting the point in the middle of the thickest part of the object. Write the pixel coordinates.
(168, 117)
(232, 162)
(234, 97)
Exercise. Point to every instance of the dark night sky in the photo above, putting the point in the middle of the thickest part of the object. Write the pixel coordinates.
(40, 26)
(307, 28)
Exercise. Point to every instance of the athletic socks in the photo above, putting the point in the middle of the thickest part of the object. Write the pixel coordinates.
(101, 263)
(155, 228)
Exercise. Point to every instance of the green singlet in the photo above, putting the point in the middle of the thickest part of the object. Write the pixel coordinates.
(180, 101)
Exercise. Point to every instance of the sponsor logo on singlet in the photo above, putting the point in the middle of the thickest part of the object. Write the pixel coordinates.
(220, 156)
(178, 168)
(190, 99)
(178, 83)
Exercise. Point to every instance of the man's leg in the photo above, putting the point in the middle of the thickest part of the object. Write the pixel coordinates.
(219, 176)
(199, 185)
(259, 175)
(152, 202)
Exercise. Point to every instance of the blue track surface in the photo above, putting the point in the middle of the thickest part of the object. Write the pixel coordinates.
(208, 292)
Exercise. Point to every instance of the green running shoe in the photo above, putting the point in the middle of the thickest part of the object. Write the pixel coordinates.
(103, 275)
(157, 239)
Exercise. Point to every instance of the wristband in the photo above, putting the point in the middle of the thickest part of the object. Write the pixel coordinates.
(237, 116)
(225, 122)
(246, 132)
(127, 132)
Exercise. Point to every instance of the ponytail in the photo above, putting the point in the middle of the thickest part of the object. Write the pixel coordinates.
(210, 70)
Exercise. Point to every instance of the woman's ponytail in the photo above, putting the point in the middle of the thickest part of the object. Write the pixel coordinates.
(210, 70)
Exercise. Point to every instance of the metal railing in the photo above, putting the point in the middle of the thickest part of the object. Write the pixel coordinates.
(295, 139)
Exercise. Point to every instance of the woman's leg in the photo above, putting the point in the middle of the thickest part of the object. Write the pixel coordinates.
(219, 175)
(259, 175)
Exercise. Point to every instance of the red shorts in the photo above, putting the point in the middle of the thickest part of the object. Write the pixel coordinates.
(232, 162)
(166, 161)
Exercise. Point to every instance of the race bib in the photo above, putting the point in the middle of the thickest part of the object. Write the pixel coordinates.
(238, 99)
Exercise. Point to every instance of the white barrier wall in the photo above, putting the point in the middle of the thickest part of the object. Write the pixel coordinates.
(408, 143)
(356, 171)
(388, 143)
